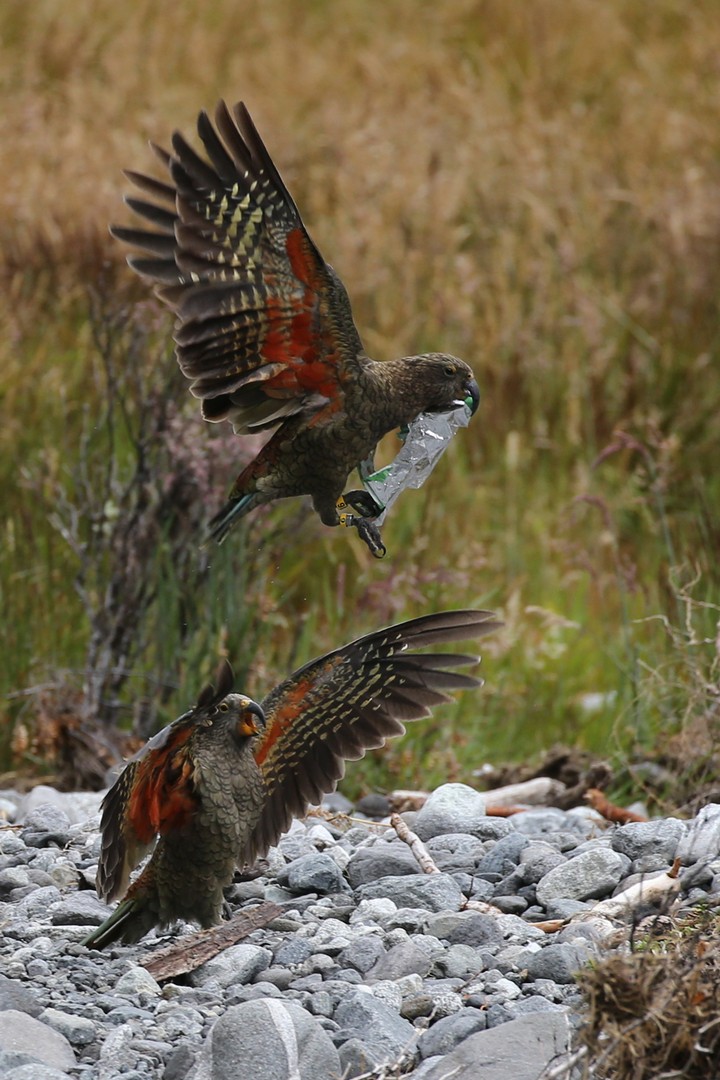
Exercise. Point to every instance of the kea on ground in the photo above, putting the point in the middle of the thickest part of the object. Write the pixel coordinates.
(264, 327)
(217, 787)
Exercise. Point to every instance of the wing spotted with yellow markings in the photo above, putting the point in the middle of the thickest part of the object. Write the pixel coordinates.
(265, 329)
(155, 793)
(349, 701)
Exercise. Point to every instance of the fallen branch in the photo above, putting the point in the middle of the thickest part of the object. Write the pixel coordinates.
(652, 892)
(415, 844)
(192, 950)
(610, 811)
(537, 792)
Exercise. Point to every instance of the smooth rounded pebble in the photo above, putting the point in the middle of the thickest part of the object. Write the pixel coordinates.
(268, 1040)
(24, 1034)
(592, 874)
(451, 808)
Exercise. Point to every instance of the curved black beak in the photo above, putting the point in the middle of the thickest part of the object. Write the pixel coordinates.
(252, 721)
(472, 390)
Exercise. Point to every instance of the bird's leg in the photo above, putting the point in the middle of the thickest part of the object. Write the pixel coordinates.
(368, 509)
(363, 502)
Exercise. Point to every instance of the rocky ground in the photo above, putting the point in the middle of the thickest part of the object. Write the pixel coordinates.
(374, 968)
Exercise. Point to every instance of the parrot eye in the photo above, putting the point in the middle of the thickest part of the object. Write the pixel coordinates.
(223, 706)
(449, 370)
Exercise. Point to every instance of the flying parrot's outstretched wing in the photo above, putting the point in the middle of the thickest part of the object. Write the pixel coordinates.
(264, 328)
(349, 701)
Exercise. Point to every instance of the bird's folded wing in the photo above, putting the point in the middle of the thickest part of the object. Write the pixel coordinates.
(349, 701)
(155, 792)
(264, 325)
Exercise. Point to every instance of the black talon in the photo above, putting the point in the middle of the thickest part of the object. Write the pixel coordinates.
(370, 534)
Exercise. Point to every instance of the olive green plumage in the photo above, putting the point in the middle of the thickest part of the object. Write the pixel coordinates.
(219, 786)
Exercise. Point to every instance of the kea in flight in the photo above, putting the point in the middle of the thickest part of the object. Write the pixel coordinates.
(264, 329)
(217, 787)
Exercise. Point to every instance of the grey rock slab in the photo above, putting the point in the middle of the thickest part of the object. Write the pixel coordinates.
(36, 904)
(434, 892)
(521, 1049)
(267, 1040)
(78, 1030)
(414, 920)
(445, 1035)
(389, 992)
(26, 1035)
(565, 909)
(406, 958)
(702, 840)
(77, 806)
(13, 877)
(238, 964)
(35, 1072)
(315, 872)
(179, 1063)
(358, 1057)
(547, 820)
(10, 842)
(380, 860)
(504, 856)
(638, 838)
(458, 962)
(79, 909)
(559, 962)
(137, 981)
(337, 803)
(362, 954)
(292, 951)
(18, 995)
(465, 928)
(537, 859)
(451, 808)
(590, 875)
(362, 1015)
(373, 912)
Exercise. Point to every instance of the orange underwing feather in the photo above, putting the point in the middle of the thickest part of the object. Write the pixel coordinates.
(336, 707)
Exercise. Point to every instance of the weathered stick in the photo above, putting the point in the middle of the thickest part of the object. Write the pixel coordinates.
(625, 904)
(415, 844)
(194, 949)
(610, 811)
(538, 792)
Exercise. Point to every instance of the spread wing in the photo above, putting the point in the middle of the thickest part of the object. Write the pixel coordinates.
(264, 325)
(154, 794)
(349, 701)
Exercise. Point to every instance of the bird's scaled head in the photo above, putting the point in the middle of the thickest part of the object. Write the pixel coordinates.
(242, 715)
(450, 382)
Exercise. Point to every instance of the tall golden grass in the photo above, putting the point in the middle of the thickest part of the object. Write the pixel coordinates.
(535, 187)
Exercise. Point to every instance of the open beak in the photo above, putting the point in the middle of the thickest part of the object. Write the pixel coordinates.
(252, 721)
(472, 391)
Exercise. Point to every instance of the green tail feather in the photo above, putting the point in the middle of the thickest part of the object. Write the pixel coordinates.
(234, 509)
(130, 921)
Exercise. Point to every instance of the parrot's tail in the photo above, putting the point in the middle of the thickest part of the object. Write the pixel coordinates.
(231, 512)
(130, 921)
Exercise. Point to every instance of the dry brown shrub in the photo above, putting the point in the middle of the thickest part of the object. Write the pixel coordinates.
(653, 1013)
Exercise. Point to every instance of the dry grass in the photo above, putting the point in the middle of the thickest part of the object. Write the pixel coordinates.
(534, 187)
(652, 1013)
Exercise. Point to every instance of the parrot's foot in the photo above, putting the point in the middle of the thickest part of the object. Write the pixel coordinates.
(363, 502)
(367, 509)
(370, 535)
